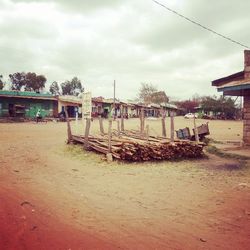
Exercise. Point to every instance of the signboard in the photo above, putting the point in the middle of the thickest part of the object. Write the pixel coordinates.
(86, 105)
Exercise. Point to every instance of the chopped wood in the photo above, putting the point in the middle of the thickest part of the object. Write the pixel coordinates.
(130, 146)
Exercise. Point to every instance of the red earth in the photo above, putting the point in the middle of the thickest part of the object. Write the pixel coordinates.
(54, 196)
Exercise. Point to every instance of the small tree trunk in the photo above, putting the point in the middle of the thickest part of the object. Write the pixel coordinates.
(122, 118)
(118, 127)
(147, 132)
(196, 131)
(172, 126)
(68, 125)
(164, 133)
(142, 120)
(101, 125)
(86, 137)
(109, 135)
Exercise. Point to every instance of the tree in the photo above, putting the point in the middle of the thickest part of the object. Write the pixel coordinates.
(73, 87)
(226, 107)
(210, 103)
(188, 105)
(159, 97)
(17, 80)
(29, 81)
(145, 92)
(34, 82)
(1, 82)
(223, 106)
(54, 88)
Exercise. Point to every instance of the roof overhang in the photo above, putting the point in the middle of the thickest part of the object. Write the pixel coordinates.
(234, 77)
(238, 90)
(30, 97)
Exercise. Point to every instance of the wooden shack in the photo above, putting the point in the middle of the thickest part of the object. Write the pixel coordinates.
(238, 84)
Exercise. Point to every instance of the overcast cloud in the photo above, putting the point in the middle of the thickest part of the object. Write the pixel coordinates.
(131, 41)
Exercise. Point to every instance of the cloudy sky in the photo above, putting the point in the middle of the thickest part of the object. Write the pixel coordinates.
(131, 41)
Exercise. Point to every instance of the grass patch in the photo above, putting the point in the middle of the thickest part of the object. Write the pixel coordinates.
(77, 151)
(214, 141)
(214, 150)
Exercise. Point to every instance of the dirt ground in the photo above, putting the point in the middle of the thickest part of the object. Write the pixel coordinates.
(55, 196)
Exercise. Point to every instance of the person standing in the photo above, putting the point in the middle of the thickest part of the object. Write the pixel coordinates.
(38, 115)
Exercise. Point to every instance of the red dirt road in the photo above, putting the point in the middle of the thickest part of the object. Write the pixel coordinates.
(24, 226)
(54, 196)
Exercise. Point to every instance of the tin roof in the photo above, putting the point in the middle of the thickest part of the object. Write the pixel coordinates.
(227, 79)
(237, 88)
(26, 94)
(70, 99)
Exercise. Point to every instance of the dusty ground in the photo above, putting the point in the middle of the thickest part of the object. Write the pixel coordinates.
(54, 196)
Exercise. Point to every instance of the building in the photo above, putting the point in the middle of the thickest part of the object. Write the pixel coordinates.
(26, 104)
(98, 107)
(72, 102)
(168, 108)
(153, 110)
(238, 84)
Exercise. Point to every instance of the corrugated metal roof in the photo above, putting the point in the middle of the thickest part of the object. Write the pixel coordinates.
(228, 79)
(26, 94)
(169, 105)
(70, 99)
(244, 86)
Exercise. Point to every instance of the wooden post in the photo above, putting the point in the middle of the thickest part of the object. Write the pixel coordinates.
(118, 127)
(196, 131)
(140, 115)
(172, 125)
(164, 133)
(86, 137)
(147, 132)
(77, 122)
(68, 125)
(101, 125)
(122, 118)
(114, 102)
(142, 121)
(109, 135)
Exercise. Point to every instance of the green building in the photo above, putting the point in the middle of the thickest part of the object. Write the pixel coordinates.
(26, 104)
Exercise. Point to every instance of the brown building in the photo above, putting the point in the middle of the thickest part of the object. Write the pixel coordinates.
(238, 84)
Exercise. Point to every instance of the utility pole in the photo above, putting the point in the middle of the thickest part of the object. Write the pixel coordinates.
(114, 101)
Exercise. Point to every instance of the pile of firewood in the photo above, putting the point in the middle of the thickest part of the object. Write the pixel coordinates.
(132, 146)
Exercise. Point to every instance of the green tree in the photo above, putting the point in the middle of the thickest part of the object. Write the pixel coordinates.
(29, 81)
(210, 103)
(17, 80)
(34, 82)
(73, 87)
(54, 88)
(1, 82)
(223, 106)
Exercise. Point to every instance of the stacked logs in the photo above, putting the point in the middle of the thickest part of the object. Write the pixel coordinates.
(159, 151)
(133, 147)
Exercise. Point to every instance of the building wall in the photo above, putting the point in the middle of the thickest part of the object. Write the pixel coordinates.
(72, 108)
(31, 106)
(246, 126)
